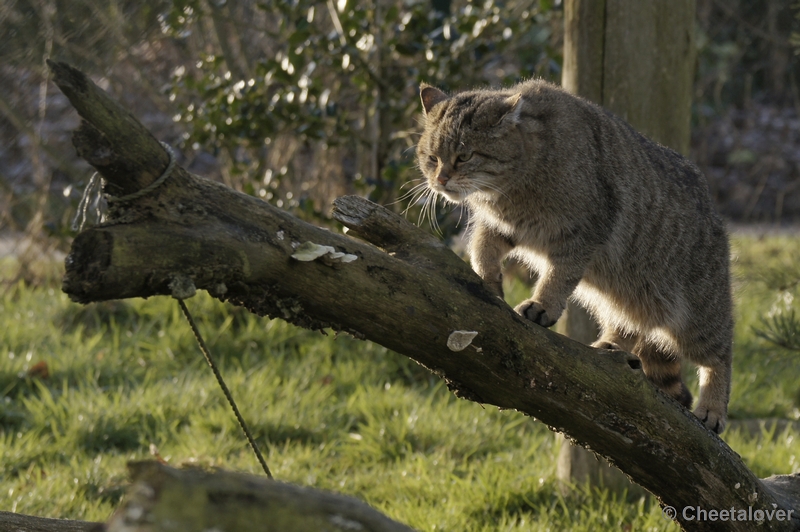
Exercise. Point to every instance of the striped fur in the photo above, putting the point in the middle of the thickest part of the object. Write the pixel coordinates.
(619, 223)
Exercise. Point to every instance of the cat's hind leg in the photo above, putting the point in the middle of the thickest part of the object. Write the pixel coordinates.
(712, 353)
(715, 387)
(664, 370)
(613, 338)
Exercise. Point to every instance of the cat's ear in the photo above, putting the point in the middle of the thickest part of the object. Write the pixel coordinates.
(430, 96)
(510, 109)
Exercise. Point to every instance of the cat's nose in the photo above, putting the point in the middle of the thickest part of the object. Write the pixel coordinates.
(443, 178)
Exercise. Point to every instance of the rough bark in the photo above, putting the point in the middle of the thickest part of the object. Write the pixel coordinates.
(406, 291)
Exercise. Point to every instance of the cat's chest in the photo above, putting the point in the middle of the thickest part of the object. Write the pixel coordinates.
(504, 223)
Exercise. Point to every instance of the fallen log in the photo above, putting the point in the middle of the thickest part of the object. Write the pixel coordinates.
(404, 289)
(164, 499)
(13, 522)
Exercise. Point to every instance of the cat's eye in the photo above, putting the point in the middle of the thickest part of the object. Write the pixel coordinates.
(433, 160)
(464, 157)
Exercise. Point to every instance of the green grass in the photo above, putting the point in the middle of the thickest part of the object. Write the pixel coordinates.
(330, 412)
(765, 377)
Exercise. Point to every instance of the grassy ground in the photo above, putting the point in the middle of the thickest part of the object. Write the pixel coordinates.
(334, 413)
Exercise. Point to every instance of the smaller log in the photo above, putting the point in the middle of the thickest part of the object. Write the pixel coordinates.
(13, 522)
(162, 498)
(786, 490)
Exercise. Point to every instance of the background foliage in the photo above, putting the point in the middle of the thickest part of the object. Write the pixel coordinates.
(331, 102)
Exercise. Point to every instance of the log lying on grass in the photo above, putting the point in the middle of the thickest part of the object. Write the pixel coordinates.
(11, 522)
(401, 288)
(164, 499)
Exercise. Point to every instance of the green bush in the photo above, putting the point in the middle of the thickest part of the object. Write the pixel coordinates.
(339, 84)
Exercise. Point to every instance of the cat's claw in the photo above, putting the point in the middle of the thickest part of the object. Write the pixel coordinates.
(713, 420)
(496, 287)
(604, 344)
(535, 312)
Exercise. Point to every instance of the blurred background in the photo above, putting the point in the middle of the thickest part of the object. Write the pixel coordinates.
(300, 101)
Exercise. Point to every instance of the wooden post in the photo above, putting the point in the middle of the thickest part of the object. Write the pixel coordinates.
(637, 60)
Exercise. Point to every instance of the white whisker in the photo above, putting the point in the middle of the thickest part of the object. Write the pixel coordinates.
(415, 199)
(410, 193)
(424, 208)
(434, 218)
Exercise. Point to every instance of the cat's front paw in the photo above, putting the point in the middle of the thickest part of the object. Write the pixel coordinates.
(713, 419)
(534, 311)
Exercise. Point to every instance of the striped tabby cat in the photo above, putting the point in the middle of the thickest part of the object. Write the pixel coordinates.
(618, 222)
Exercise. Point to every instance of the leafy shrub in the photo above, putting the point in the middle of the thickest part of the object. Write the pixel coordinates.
(332, 105)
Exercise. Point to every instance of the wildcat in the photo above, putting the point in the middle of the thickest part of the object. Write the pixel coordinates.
(617, 222)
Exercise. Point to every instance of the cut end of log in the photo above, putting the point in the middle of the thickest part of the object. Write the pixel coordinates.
(88, 259)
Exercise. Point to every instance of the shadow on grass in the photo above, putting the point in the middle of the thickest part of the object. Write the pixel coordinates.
(111, 494)
(95, 317)
(544, 500)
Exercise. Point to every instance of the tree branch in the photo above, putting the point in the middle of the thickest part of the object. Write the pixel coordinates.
(410, 294)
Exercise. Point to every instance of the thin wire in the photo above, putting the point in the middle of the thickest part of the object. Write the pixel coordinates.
(152, 186)
(228, 396)
(95, 201)
(90, 200)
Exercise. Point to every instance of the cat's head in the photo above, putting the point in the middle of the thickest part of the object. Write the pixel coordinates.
(470, 142)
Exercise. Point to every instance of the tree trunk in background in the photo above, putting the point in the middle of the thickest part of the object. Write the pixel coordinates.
(648, 67)
(636, 59)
